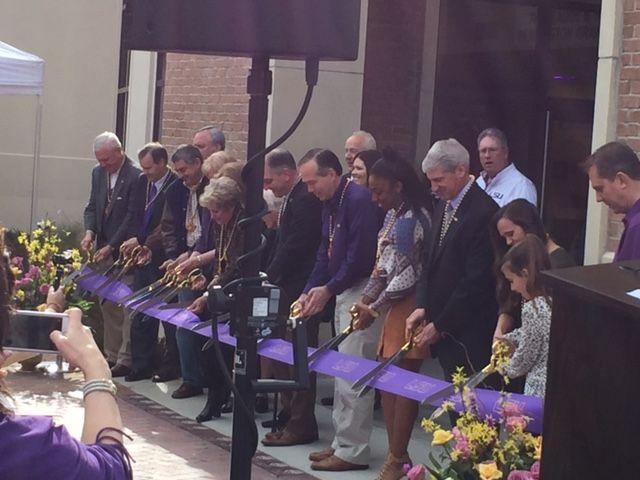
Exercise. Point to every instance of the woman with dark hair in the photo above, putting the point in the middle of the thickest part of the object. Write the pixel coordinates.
(510, 225)
(33, 447)
(362, 164)
(390, 291)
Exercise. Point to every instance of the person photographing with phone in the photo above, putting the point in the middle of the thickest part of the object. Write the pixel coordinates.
(33, 447)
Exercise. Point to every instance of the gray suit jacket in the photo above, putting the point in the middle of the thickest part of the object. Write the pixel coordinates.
(111, 223)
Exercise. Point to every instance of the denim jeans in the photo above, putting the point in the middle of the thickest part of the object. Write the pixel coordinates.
(190, 347)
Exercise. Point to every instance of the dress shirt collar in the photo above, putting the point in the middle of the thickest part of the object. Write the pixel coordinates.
(334, 202)
(458, 198)
(502, 173)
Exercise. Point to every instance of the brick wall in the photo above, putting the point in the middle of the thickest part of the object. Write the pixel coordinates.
(393, 63)
(205, 90)
(629, 99)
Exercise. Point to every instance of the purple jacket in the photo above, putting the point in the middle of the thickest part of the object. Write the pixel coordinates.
(629, 247)
(32, 448)
(353, 254)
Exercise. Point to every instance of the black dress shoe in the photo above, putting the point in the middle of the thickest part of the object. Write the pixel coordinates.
(262, 404)
(186, 391)
(212, 409)
(228, 406)
(138, 375)
(120, 371)
(165, 376)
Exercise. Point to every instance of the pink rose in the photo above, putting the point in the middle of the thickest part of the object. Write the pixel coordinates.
(417, 472)
(34, 272)
(510, 409)
(535, 470)
(44, 289)
(520, 475)
(515, 422)
(24, 282)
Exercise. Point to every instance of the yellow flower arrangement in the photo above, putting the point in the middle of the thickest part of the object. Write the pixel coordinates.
(41, 267)
(482, 448)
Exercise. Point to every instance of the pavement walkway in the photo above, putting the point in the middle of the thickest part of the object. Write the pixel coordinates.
(169, 444)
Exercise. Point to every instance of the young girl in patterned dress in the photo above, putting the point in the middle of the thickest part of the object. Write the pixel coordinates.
(521, 267)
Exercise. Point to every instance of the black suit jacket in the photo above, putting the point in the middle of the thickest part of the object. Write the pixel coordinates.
(297, 241)
(174, 232)
(457, 287)
(111, 223)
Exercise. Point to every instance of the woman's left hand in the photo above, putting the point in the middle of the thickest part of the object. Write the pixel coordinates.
(366, 316)
(79, 348)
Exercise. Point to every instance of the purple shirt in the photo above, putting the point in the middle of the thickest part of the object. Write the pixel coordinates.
(33, 448)
(629, 247)
(355, 224)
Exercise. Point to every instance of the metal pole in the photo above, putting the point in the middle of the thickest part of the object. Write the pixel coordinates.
(245, 366)
(36, 162)
(545, 160)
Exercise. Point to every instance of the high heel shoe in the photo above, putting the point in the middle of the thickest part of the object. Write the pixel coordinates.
(392, 467)
(212, 409)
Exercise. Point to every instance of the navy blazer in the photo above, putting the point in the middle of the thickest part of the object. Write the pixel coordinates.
(112, 223)
(172, 223)
(457, 286)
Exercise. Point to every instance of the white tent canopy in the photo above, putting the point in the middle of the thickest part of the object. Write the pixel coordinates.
(22, 73)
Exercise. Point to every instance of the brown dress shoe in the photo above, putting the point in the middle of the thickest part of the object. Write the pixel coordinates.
(286, 439)
(335, 464)
(120, 371)
(321, 455)
(186, 391)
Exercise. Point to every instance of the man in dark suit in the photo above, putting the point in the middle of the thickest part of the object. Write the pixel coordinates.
(297, 239)
(107, 220)
(149, 197)
(456, 301)
(183, 223)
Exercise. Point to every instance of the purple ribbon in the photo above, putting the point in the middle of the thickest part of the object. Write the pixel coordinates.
(394, 379)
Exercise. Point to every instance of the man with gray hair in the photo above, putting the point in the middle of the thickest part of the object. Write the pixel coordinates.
(209, 140)
(456, 303)
(356, 143)
(500, 178)
(107, 221)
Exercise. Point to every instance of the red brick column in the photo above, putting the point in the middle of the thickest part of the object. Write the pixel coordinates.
(629, 98)
(205, 90)
(392, 69)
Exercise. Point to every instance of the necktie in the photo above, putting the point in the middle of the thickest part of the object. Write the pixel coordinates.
(148, 209)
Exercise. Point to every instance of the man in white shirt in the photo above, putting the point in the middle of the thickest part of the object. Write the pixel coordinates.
(356, 143)
(500, 179)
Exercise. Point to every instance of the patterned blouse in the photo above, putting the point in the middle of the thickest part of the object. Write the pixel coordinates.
(532, 346)
(399, 260)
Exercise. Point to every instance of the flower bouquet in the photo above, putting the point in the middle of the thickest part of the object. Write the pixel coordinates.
(41, 265)
(480, 448)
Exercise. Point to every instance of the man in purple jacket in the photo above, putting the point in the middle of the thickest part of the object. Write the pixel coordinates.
(614, 171)
(345, 259)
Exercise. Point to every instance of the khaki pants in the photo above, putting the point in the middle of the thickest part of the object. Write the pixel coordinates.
(117, 330)
(353, 416)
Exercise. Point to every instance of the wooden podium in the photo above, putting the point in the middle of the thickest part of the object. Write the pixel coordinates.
(592, 402)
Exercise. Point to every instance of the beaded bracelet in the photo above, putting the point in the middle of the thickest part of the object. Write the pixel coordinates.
(101, 385)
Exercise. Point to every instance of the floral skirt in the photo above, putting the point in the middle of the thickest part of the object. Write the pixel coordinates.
(392, 336)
